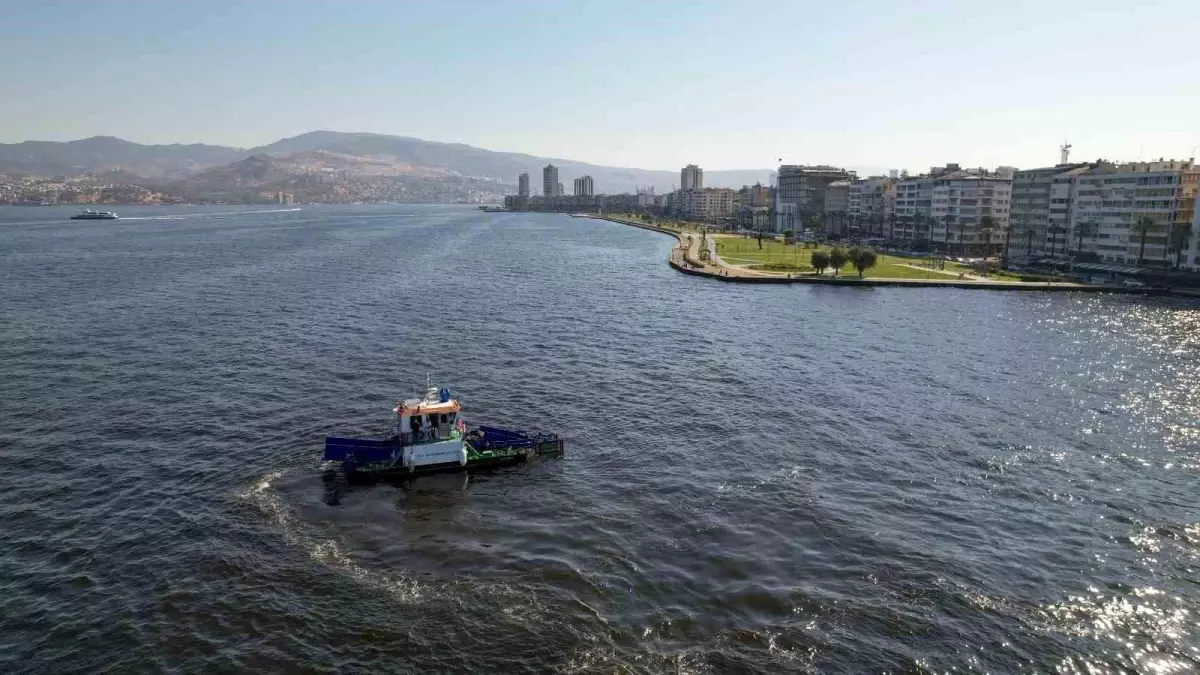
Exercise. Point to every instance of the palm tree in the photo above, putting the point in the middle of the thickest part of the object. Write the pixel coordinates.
(987, 225)
(1088, 228)
(949, 221)
(1180, 233)
(1142, 225)
(962, 229)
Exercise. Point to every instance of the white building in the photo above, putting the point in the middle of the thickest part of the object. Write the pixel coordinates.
(706, 204)
(1106, 203)
(961, 204)
(584, 186)
(691, 177)
(1034, 236)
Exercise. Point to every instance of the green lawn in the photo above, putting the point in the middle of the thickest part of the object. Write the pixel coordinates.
(776, 256)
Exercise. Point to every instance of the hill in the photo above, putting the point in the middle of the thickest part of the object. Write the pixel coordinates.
(173, 162)
(101, 154)
(323, 176)
(504, 166)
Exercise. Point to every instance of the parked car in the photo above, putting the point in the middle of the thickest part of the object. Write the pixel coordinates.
(1133, 283)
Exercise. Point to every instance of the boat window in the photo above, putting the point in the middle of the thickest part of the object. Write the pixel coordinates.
(444, 418)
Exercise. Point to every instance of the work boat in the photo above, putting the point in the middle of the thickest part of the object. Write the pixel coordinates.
(430, 436)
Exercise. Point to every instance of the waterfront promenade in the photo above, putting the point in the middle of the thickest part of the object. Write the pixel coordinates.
(686, 257)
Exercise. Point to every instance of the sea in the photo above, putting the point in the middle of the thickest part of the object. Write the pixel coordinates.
(802, 479)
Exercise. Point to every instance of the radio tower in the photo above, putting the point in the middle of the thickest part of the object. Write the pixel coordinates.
(1065, 149)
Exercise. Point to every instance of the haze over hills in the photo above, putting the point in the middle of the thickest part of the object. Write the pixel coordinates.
(189, 165)
(193, 168)
(102, 154)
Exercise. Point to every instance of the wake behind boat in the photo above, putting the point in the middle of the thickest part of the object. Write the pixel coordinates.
(431, 437)
(95, 215)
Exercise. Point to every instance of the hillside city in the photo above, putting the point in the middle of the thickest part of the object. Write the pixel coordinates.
(1099, 213)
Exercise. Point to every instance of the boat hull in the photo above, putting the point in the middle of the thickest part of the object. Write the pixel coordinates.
(485, 448)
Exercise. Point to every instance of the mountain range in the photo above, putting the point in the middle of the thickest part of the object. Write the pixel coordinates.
(214, 171)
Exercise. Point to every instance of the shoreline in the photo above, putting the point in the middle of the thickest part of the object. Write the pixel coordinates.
(683, 260)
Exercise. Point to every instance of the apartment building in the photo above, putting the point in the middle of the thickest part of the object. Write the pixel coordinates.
(1106, 203)
(961, 203)
(1193, 250)
(752, 206)
(705, 204)
(1033, 235)
(802, 192)
(584, 186)
(871, 204)
(523, 185)
(691, 177)
(837, 203)
(550, 184)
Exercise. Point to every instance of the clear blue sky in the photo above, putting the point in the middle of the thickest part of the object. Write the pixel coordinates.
(649, 84)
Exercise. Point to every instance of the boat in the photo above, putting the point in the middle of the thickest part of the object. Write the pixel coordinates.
(95, 215)
(430, 437)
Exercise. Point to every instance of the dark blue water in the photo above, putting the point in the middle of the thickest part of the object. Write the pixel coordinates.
(757, 478)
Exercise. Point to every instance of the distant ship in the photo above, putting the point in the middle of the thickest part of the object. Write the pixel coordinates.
(95, 215)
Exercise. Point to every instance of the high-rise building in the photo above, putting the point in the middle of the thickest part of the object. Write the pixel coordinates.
(801, 193)
(584, 186)
(523, 185)
(691, 177)
(558, 190)
(550, 184)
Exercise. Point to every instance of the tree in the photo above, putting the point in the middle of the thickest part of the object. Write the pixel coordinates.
(1180, 234)
(820, 260)
(1142, 225)
(788, 235)
(851, 252)
(987, 225)
(837, 258)
(863, 259)
(1086, 228)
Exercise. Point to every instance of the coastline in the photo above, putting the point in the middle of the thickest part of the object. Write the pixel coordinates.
(684, 258)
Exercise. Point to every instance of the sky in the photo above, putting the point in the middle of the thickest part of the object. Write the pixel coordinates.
(654, 85)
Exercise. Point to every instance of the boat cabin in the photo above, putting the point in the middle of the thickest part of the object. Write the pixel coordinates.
(429, 419)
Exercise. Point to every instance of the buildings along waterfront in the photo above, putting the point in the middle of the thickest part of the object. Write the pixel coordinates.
(1102, 212)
